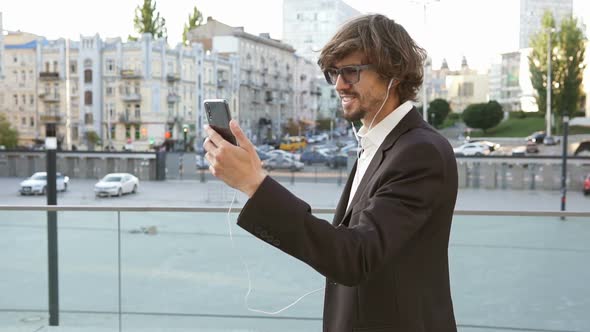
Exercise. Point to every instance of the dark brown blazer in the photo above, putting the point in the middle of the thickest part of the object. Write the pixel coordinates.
(385, 259)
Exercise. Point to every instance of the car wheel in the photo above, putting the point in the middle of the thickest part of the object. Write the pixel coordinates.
(120, 192)
(479, 154)
(134, 189)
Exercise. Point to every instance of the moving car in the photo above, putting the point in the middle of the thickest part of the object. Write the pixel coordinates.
(37, 184)
(337, 160)
(550, 140)
(472, 149)
(116, 184)
(313, 156)
(531, 147)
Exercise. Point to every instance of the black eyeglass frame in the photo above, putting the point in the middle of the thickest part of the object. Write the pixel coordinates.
(339, 72)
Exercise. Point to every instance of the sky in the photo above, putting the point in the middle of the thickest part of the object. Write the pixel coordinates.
(480, 30)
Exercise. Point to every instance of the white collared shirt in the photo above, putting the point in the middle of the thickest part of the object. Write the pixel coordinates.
(372, 140)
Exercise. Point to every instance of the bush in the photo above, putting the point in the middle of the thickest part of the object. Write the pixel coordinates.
(517, 115)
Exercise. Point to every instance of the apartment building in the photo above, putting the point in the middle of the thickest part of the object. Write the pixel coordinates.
(19, 85)
(110, 93)
(531, 13)
(272, 80)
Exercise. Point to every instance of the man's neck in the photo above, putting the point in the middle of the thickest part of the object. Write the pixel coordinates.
(388, 108)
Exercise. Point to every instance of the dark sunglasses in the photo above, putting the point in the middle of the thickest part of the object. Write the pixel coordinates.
(349, 74)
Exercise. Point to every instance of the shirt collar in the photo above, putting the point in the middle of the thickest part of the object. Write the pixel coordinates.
(377, 134)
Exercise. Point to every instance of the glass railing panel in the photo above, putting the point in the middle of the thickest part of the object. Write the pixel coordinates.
(521, 273)
(180, 270)
(88, 269)
(23, 270)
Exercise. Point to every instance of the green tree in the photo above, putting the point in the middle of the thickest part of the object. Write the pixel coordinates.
(194, 20)
(483, 116)
(567, 65)
(148, 20)
(438, 110)
(8, 136)
(92, 139)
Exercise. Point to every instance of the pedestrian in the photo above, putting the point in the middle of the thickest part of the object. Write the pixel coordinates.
(385, 253)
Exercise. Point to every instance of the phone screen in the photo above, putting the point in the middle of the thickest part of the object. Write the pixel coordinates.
(218, 116)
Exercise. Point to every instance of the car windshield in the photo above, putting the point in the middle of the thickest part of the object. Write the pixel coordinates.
(39, 177)
(112, 179)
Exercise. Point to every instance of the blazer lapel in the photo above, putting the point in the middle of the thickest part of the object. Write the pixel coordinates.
(343, 202)
(411, 120)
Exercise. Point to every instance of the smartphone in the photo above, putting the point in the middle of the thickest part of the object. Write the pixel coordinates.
(218, 116)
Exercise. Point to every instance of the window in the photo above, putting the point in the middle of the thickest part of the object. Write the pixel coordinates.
(16, 99)
(32, 122)
(23, 121)
(24, 98)
(15, 74)
(87, 97)
(137, 111)
(113, 131)
(73, 67)
(88, 118)
(87, 75)
(127, 131)
(109, 91)
(137, 133)
(110, 63)
(15, 59)
(74, 133)
(55, 66)
(23, 75)
(31, 99)
(47, 66)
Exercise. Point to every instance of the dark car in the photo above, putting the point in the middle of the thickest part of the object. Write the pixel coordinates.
(584, 146)
(536, 137)
(587, 185)
(312, 157)
(337, 160)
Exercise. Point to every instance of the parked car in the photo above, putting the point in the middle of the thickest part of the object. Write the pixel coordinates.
(337, 160)
(116, 184)
(587, 185)
(282, 162)
(491, 145)
(550, 140)
(37, 184)
(313, 156)
(472, 149)
(536, 137)
(262, 154)
(519, 151)
(531, 147)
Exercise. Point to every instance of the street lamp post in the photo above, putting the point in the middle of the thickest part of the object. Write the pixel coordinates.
(549, 53)
(52, 252)
(425, 4)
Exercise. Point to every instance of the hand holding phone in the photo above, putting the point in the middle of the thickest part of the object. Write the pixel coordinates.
(218, 116)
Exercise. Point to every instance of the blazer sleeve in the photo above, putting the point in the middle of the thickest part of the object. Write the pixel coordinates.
(399, 205)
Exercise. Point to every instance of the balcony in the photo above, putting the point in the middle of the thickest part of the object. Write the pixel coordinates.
(49, 97)
(173, 98)
(129, 118)
(130, 74)
(131, 97)
(171, 78)
(48, 76)
(155, 268)
(51, 118)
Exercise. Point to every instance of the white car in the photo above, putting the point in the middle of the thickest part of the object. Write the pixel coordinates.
(37, 184)
(116, 184)
(472, 149)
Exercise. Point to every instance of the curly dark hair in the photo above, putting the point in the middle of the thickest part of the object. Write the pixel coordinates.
(386, 45)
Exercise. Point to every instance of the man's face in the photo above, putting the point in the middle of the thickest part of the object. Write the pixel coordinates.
(363, 97)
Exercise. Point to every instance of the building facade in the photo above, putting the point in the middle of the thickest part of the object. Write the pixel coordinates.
(309, 24)
(465, 87)
(273, 82)
(111, 94)
(531, 13)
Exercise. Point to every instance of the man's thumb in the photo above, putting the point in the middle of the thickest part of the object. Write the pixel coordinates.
(243, 141)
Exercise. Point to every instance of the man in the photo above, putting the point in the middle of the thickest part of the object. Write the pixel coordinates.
(385, 254)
